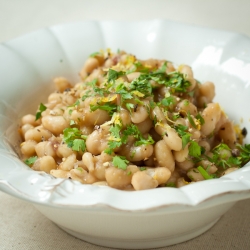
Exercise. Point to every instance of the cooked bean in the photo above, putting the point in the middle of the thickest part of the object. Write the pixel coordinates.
(133, 76)
(172, 139)
(28, 148)
(181, 155)
(102, 162)
(145, 126)
(30, 119)
(79, 174)
(136, 153)
(185, 165)
(59, 173)
(194, 175)
(68, 163)
(207, 89)
(45, 163)
(211, 115)
(88, 161)
(63, 151)
(55, 124)
(117, 178)
(227, 134)
(141, 181)
(37, 134)
(45, 148)
(61, 84)
(139, 114)
(97, 141)
(164, 155)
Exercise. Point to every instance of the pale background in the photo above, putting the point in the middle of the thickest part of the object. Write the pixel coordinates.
(21, 226)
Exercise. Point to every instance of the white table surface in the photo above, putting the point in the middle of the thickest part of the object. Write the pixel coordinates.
(21, 225)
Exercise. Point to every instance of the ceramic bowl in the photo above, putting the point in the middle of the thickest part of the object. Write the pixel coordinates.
(102, 215)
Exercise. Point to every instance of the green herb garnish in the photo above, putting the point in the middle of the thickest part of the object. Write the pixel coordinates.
(30, 161)
(120, 162)
(74, 139)
(204, 173)
(42, 108)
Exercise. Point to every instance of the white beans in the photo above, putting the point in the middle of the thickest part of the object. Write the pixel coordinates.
(172, 139)
(130, 124)
(45, 148)
(61, 84)
(98, 140)
(207, 90)
(37, 134)
(28, 148)
(117, 178)
(136, 153)
(55, 124)
(164, 155)
(211, 115)
(142, 180)
(68, 163)
(139, 114)
(181, 155)
(45, 163)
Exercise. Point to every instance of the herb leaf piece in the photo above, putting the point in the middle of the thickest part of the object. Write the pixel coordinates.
(30, 161)
(120, 162)
(74, 139)
(204, 173)
(42, 108)
(194, 149)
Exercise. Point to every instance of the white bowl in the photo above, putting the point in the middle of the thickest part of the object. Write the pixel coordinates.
(102, 215)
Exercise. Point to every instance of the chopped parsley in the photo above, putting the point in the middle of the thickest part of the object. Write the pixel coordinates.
(200, 119)
(204, 173)
(95, 54)
(185, 136)
(114, 75)
(190, 119)
(120, 162)
(42, 108)
(109, 107)
(74, 139)
(142, 85)
(194, 149)
(244, 156)
(30, 161)
(167, 101)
